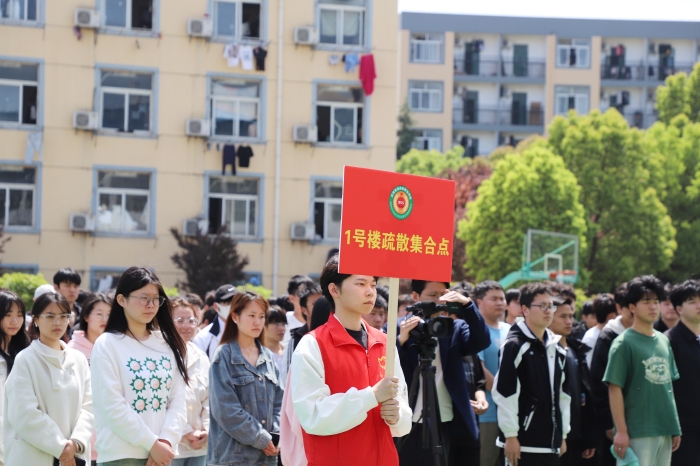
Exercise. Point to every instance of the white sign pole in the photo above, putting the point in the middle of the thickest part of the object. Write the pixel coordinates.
(391, 326)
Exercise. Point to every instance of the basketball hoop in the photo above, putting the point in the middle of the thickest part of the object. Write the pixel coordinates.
(559, 275)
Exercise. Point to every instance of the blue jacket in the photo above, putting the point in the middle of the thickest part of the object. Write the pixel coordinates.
(246, 402)
(470, 336)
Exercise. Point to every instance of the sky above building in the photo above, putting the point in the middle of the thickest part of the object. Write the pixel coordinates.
(666, 10)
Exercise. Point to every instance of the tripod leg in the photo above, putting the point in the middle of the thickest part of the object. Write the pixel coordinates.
(432, 421)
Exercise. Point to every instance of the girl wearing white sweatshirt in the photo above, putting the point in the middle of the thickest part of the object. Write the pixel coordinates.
(13, 339)
(48, 402)
(139, 376)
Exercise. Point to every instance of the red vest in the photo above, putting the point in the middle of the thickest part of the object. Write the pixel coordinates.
(347, 365)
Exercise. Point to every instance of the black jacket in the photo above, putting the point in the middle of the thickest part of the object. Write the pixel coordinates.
(588, 420)
(599, 363)
(530, 391)
(686, 351)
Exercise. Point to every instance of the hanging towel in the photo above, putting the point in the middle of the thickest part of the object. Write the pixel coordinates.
(231, 54)
(244, 154)
(246, 53)
(333, 60)
(367, 73)
(351, 61)
(229, 158)
(260, 55)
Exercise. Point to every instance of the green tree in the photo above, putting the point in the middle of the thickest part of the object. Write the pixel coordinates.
(405, 133)
(680, 95)
(23, 284)
(529, 190)
(208, 261)
(629, 231)
(432, 163)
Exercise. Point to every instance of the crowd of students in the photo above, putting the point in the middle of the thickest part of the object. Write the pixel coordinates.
(136, 378)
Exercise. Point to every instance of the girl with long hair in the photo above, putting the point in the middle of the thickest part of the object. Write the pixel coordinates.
(92, 322)
(13, 339)
(139, 376)
(244, 386)
(192, 450)
(48, 397)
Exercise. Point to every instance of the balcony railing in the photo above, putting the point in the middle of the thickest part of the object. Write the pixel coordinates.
(627, 72)
(660, 73)
(494, 67)
(426, 51)
(639, 119)
(497, 116)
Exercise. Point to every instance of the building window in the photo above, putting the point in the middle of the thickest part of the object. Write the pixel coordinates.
(428, 139)
(233, 206)
(327, 201)
(426, 48)
(425, 96)
(19, 10)
(123, 202)
(235, 107)
(573, 53)
(128, 14)
(571, 98)
(19, 84)
(17, 196)
(342, 22)
(237, 19)
(339, 113)
(126, 101)
(104, 280)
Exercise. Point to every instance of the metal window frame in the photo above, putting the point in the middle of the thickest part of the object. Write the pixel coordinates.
(240, 197)
(327, 202)
(413, 43)
(126, 92)
(237, 100)
(340, 105)
(7, 187)
(21, 83)
(25, 20)
(341, 9)
(239, 19)
(125, 192)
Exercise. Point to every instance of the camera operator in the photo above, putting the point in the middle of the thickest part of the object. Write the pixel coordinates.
(470, 336)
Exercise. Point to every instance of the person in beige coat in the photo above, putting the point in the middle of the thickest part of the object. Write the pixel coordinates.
(48, 399)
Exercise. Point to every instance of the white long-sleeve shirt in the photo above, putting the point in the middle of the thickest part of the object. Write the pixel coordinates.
(139, 396)
(321, 413)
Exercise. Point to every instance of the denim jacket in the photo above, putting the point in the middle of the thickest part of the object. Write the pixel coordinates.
(246, 402)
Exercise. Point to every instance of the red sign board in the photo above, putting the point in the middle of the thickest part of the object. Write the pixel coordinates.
(396, 225)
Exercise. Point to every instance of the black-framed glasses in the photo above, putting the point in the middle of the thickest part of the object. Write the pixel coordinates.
(146, 300)
(545, 307)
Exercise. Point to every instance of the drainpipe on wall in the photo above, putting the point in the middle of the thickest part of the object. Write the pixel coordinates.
(278, 148)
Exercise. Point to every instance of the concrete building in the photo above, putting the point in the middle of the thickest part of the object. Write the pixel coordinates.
(137, 174)
(485, 81)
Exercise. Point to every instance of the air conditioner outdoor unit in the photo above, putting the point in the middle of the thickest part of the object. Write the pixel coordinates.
(86, 120)
(86, 18)
(198, 127)
(200, 27)
(82, 222)
(307, 35)
(302, 231)
(652, 48)
(305, 134)
(192, 226)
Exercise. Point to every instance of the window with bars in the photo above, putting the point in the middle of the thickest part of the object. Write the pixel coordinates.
(234, 203)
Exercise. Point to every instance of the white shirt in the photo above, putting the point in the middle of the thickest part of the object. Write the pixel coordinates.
(590, 338)
(292, 323)
(207, 341)
(444, 398)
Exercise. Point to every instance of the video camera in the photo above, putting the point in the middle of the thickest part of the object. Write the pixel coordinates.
(438, 327)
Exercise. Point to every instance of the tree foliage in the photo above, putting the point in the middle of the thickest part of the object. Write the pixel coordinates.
(529, 190)
(24, 284)
(432, 163)
(680, 95)
(208, 261)
(405, 133)
(629, 231)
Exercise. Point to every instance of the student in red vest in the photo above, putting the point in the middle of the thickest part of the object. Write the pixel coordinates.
(348, 410)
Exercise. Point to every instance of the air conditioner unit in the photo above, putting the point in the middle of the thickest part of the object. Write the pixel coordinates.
(198, 127)
(192, 226)
(302, 231)
(86, 18)
(200, 27)
(652, 48)
(82, 222)
(86, 120)
(305, 134)
(307, 35)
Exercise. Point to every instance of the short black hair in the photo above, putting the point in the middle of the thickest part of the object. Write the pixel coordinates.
(417, 286)
(530, 290)
(330, 275)
(283, 302)
(405, 299)
(683, 292)
(512, 294)
(645, 285)
(383, 291)
(464, 288)
(484, 287)
(210, 298)
(587, 308)
(296, 281)
(565, 291)
(194, 300)
(621, 295)
(66, 275)
(276, 316)
(308, 290)
(603, 306)
(209, 316)
(322, 311)
(381, 302)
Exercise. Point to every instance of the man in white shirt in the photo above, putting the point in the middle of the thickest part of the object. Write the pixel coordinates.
(209, 337)
(605, 309)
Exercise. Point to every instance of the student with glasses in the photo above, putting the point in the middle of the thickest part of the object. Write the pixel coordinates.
(48, 398)
(275, 328)
(533, 401)
(139, 376)
(192, 450)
